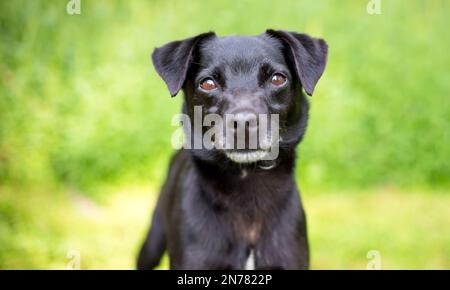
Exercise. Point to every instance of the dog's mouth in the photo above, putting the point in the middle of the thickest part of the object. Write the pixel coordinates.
(264, 151)
(246, 156)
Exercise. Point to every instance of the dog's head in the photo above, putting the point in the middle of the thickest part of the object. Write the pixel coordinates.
(245, 77)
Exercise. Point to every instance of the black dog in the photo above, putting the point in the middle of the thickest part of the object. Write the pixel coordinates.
(228, 209)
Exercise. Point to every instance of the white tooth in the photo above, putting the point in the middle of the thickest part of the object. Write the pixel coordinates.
(246, 157)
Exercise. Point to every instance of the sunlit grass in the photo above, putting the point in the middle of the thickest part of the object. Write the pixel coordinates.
(411, 230)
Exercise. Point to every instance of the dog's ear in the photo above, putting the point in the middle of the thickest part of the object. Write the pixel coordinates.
(172, 60)
(309, 54)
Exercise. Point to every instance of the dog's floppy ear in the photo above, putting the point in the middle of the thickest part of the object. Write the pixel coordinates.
(172, 60)
(309, 54)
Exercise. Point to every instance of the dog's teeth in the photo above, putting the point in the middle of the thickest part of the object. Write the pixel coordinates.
(246, 157)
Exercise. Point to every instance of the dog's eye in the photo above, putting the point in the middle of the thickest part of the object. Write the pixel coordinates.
(208, 84)
(278, 79)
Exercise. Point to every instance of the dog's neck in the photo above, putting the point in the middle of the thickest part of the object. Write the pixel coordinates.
(247, 200)
(228, 170)
(230, 185)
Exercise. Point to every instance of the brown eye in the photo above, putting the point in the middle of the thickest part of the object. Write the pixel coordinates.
(278, 79)
(208, 84)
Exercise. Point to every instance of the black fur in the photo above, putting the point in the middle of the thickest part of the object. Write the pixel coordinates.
(209, 215)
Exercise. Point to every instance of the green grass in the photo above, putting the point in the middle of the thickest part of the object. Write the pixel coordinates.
(82, 109)
(411, 230)
(80, 103)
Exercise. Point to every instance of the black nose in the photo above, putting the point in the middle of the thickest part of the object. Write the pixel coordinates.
(247, 120)
(243, 125)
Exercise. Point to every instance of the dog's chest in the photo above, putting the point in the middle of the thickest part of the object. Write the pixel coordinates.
(248, 231)
(248, 205)
(248, 211)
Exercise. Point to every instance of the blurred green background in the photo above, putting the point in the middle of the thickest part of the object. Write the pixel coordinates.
(85, 127)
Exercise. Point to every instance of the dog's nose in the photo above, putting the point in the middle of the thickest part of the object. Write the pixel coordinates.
(242, 120)
(243, 128)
